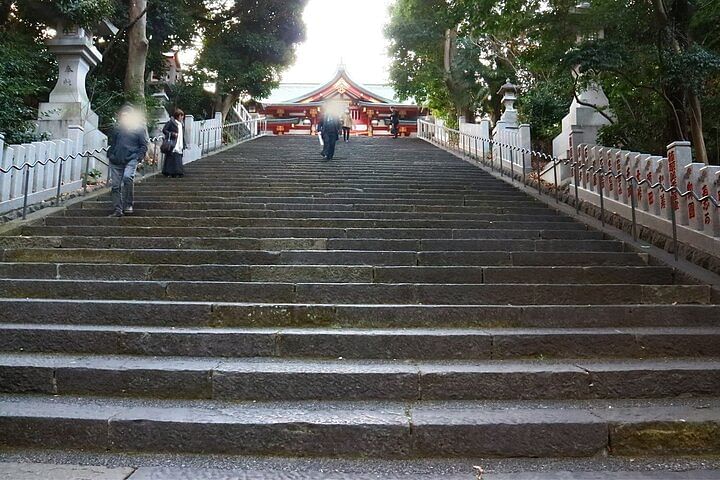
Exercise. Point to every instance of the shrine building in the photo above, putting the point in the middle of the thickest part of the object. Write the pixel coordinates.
(297, 108)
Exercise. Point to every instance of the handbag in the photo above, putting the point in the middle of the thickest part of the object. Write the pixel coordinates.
(168, 145)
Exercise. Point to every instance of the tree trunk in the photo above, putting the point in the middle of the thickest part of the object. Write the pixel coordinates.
(675, 24)
(457, 90)
(226, 103)
(137, 51)
(696, 129)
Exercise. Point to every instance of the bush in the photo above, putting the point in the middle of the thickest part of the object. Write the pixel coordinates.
(20, 91)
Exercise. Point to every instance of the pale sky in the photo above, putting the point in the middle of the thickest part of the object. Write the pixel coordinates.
(351, 30)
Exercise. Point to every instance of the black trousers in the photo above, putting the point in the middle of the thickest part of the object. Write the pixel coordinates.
(329, 148)
(346, 133)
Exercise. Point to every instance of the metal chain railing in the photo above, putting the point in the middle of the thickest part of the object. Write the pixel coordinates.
(221, 135)
(484, 151)
(213, 137)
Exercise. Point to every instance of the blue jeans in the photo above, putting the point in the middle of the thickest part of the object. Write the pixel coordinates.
(122, 178)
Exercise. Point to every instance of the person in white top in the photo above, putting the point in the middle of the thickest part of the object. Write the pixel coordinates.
(173, 131)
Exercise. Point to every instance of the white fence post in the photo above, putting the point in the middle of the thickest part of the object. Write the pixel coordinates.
(5, 162)
(74, 168)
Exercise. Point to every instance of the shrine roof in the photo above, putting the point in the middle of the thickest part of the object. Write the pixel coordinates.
(311, 93)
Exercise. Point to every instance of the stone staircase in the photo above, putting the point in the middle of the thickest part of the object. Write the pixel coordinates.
(393, 303)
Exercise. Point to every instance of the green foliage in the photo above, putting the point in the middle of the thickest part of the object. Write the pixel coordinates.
(543, 106)
(417, 32)
(86, 13)
(172, 25)
(92, 177)
(249, 42)
(25, 74)
(190, 96)
(650, 63)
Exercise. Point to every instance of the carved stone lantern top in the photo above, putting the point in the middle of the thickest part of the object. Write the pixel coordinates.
(509, 93)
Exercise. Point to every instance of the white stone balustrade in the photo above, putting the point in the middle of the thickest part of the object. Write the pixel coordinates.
(698, 222)
(43, 157)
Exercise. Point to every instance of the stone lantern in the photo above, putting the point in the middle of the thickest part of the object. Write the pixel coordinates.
(509, 93)
(69, 104)
(584, 120)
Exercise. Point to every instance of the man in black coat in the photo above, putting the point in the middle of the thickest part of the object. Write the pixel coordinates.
(395, 122)
(330, 128)
(128, 144)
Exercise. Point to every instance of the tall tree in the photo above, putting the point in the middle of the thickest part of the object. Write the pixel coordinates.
(430, 62)
(246, 45)
(137, 50)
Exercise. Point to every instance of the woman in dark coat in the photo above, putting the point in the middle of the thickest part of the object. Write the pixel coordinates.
(173, 131)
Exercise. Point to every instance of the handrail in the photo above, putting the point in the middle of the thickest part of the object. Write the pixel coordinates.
(222, 135)
(631, 182)
(26, 167)
(64, 158)
(213, 137)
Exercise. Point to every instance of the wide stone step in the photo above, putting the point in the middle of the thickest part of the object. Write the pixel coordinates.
(361, 293)
(355, 343)
(229, 222)
(454, 196)
(324, 214)
(379, 429)
(319, 257)
(509, 206)
(327, 189)
(277, 315)
(531, 243)
(338, 273)
(312, 232)
(267, 379)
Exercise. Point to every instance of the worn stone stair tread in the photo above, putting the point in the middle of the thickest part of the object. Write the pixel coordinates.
(231, 467)
(27, 471)
(387, 429)
(185, 205)
(311, 232)
(518, 214)
(483, 214)
(649, 275)
(514, 242)
(326, 257)
(349, 379)
(356, 343)
(177, 313)
(371, 293)
(249, 365)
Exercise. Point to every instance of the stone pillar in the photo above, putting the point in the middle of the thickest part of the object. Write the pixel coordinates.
(69, 103)
(679, 157)
(159, 116)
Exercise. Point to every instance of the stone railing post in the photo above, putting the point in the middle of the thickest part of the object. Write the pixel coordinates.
(218, 130)
(74, 168)
(679, 157)
(193, 142)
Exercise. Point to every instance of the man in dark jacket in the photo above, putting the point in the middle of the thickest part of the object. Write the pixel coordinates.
(330, 128)
(394, 122)
(128, 144)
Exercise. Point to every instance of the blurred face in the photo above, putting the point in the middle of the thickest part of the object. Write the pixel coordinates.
(124, 119)
(131, 119)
